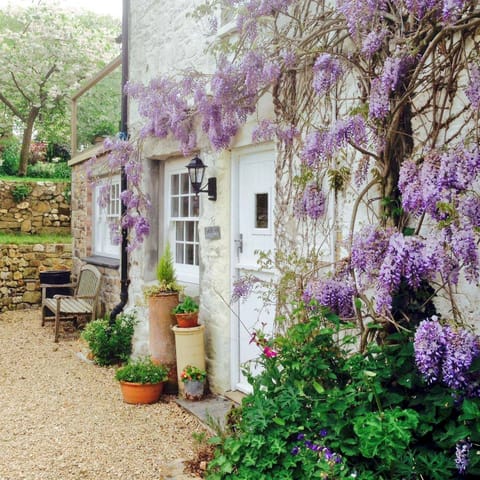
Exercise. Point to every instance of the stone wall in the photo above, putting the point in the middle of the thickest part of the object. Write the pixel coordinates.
(20, 266)
(45, 210)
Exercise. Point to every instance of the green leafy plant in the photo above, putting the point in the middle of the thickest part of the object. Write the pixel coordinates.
(166, 277)
(59, 170)
(192, 373)
(187, 306)
(111, 343)
(10, 148)
(320, 410)
(142, 370)
(20, 192)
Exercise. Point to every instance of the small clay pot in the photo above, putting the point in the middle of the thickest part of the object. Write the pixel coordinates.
(187, 320)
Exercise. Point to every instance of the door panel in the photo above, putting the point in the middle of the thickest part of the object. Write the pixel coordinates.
(254, 232)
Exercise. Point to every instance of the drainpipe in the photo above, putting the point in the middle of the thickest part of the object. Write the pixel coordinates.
(123, 178)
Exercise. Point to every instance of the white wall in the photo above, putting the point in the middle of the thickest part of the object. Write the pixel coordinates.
(162, 40)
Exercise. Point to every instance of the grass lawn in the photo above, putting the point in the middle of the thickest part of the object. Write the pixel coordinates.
(29, 239)
(12, 178)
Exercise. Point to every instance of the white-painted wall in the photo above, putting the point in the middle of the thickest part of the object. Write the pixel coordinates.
(163, 40)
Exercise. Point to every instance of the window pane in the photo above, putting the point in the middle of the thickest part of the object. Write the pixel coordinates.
(261, 210)
(174, 185)
(190, 231)
(196, 254)
(194, 205)
(184, 211)
(179, 230)
(189, 254)
(185, 183)
(175, 212)
(179, 253)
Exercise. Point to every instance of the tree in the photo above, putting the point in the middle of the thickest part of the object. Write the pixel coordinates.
(46, 53)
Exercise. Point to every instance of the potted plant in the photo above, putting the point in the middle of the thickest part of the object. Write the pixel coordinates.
(193, 379)
(141, 381)
(186, 313)
(162, 299)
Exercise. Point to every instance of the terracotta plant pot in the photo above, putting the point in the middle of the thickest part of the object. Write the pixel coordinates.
(194, 389)
(187, 320)
(143, 393)
(161, 338)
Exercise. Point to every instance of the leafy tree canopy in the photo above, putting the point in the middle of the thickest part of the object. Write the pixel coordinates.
(46, 53)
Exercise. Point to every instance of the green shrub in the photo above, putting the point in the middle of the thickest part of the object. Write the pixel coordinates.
(110, 344)
(320, 410)
(62, 170)
(142, 370)
(20, 192)
(10, 156)
(59, 170)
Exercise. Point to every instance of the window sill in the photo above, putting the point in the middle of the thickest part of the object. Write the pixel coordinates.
(100, 261)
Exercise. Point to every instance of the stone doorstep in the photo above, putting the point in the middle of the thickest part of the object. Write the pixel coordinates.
(211, 410)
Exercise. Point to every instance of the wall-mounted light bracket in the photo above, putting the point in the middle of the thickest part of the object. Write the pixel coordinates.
(196, 171)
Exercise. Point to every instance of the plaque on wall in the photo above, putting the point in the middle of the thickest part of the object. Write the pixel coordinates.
(212, 233)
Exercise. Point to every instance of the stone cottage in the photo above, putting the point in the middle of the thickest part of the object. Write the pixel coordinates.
(215, 242)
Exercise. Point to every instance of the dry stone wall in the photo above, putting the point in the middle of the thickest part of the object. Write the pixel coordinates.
(20, 266)
(46, 209)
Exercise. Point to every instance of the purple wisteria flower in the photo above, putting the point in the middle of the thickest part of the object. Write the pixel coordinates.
(446, 355)
(394, 71)
(313, 203)
(407, 258)
(372, 42)
(461, 348)
(243, 287)
(289, 58)
(473, 89)
(429, 347)
(462, 455)
(337, 295)
(360, 13)
(444, 186)
(369, 247)
(326, 72)
(320, 146)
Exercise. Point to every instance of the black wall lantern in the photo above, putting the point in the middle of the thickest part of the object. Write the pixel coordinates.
(196, 171)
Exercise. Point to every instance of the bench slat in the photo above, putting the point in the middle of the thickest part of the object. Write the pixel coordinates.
(69, 305)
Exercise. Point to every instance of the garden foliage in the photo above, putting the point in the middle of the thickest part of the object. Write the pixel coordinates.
(375, 118)
(321, 410)
(109, 343)
(142, 370)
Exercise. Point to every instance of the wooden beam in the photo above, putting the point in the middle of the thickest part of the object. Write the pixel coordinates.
(99, 76)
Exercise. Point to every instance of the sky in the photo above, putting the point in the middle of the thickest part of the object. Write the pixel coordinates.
(104, 7)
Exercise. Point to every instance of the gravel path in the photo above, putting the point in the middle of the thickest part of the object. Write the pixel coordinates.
(63, 418)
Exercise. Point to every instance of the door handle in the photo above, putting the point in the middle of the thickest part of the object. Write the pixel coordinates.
(239, 244)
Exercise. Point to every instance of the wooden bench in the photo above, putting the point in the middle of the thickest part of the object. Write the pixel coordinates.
(82, 304)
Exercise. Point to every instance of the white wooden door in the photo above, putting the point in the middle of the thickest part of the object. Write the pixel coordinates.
(253, 232)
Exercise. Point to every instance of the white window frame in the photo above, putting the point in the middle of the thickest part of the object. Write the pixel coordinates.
(102, 217)
(187, 273)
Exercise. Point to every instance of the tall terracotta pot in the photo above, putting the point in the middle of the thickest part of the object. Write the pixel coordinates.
(161, 337)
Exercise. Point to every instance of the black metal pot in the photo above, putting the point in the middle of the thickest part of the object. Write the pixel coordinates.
(56, 277)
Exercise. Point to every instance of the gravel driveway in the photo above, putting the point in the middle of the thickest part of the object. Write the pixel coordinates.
(63, 418)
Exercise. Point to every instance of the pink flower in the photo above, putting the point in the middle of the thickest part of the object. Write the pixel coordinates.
(269, 353)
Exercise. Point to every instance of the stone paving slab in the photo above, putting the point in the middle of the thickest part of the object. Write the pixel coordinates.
(211, 410)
